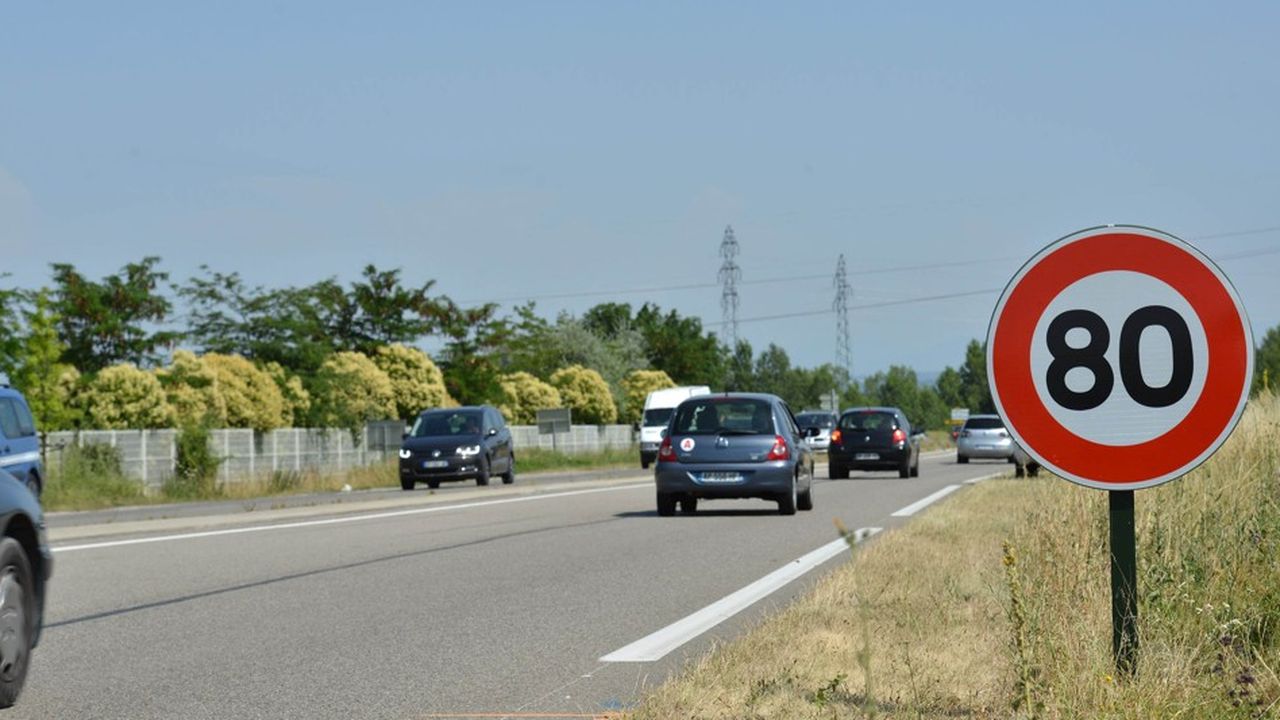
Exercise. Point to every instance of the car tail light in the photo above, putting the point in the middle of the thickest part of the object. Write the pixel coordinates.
(665, 451)
(899, 436)
(779, 451)
(835, 436)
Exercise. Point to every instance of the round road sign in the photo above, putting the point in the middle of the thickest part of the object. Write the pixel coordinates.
(1120, 357)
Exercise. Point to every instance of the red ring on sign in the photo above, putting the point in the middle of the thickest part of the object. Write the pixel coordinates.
(1160, 456)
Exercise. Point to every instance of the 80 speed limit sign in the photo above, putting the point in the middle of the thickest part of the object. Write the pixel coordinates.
(1120, 357)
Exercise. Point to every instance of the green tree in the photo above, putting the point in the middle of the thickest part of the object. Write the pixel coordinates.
(249, 393)
(586, 393)
(191, 388)
(472, 356)
(523, 395)
(350, 390)
(123, 397)
(11, 335)
(417, 382)
(1266, 363)
(739, 368)
(39, 372)
(105, 323)
(636, 386)
(900, 388)
(950, 388)
(973, 379)
(297, 401)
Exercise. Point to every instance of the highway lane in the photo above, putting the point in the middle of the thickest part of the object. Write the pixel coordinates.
(480, 608)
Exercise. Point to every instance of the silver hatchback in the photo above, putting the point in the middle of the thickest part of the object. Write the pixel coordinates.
(735, 445)
(984, 436)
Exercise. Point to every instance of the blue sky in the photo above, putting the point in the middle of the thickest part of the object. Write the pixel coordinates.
(539, 149)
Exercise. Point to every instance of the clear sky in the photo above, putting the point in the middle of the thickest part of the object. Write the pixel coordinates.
(536, 149)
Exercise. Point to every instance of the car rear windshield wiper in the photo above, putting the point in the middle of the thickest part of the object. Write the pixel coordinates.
(727, 431)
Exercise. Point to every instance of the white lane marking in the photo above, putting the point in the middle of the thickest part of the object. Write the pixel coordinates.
(975, 481)
(656, 645)
(925, 502)
(338, 520)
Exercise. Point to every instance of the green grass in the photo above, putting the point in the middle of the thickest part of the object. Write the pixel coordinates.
(537, 459)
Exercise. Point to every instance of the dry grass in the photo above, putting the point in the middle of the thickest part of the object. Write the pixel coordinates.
(943, 607)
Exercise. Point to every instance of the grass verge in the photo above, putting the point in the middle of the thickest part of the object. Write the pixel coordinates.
(996, 604)
(92, 480)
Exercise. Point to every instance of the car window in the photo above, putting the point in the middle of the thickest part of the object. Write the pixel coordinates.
(657, 416)
(26, 423)
(499, 422)
(869, 420)
(820, 420)
(790, 419)
(979, 423)
(447, 423)
(717, 415)
(9, 419)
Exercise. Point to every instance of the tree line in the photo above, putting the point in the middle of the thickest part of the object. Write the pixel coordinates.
(134, 348)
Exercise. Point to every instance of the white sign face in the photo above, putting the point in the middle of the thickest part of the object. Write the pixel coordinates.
(1120, 357)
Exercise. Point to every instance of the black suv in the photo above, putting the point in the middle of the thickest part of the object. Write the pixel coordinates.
(457, 444)
(874, 438)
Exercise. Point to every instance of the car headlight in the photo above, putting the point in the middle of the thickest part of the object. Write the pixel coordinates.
(469, 450)
(405, 453)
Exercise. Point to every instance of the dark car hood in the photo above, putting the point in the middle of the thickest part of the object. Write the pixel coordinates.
(439, 442)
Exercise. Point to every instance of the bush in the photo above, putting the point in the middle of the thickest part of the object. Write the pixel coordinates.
(195, 468)
(523, 395)
(89, 477)
(636, 386)
(297, 401)
(123, 397)
(415, 381)
(191, 388)
(586, 393)
(350, 390)
(250, 394)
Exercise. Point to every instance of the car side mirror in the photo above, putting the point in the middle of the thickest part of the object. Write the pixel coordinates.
(662, 433)
(404, 436)
(493, 431)
(812, 432)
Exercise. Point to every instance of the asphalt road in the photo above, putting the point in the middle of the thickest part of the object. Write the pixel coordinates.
(495, 604)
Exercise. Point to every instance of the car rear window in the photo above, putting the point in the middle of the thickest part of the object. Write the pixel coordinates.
(819, 420)
(740, 415)
(984, 424)
(868, 420)
(657, 416)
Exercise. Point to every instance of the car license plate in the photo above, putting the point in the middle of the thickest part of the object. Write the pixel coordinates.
(428, 464)
(867, 456)
(721, 477)
(986, 447)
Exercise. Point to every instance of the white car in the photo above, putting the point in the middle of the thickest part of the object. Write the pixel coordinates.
(823, 421)
(984, 436)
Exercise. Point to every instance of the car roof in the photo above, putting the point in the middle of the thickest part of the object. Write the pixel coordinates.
(984, 416)
(738, 395)
(873, 408)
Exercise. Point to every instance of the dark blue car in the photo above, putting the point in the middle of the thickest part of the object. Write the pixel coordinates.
(19, 444)
(26, 564)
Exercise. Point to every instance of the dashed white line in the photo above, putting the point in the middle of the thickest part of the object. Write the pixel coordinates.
(657, 644)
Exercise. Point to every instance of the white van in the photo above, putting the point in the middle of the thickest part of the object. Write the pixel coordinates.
(657, 411)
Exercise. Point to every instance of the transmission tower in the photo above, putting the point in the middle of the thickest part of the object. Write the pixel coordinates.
(844, 356)
(729, 276)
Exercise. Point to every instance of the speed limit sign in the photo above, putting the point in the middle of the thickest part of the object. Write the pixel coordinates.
(1120, 357)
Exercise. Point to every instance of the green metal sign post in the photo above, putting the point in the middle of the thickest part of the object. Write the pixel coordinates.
(1124, 583)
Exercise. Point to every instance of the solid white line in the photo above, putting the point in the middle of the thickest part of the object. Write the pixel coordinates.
(975, 481)
(923, 503)
(344, 519)
(656, 645)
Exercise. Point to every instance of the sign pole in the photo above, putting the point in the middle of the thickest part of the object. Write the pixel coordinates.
(1124, 583)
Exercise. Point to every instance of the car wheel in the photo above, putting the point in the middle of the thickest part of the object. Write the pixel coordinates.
(482, 474)
(915, 469)
(406, 484)
(804, 500)
(33, 484)
(787, 501)
(961, 460)
(1033, 471)
(509, 476)
(644, 464)
(1020, 471)
(17, 619)
(836, 472)
(666, 504)
(688, 505)
(433, 484)
(904, 471)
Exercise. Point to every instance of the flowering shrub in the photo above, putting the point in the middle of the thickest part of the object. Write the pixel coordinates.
(636, 386)
(523, 395)
(586, 393)
(122, 396)
(416, 381)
